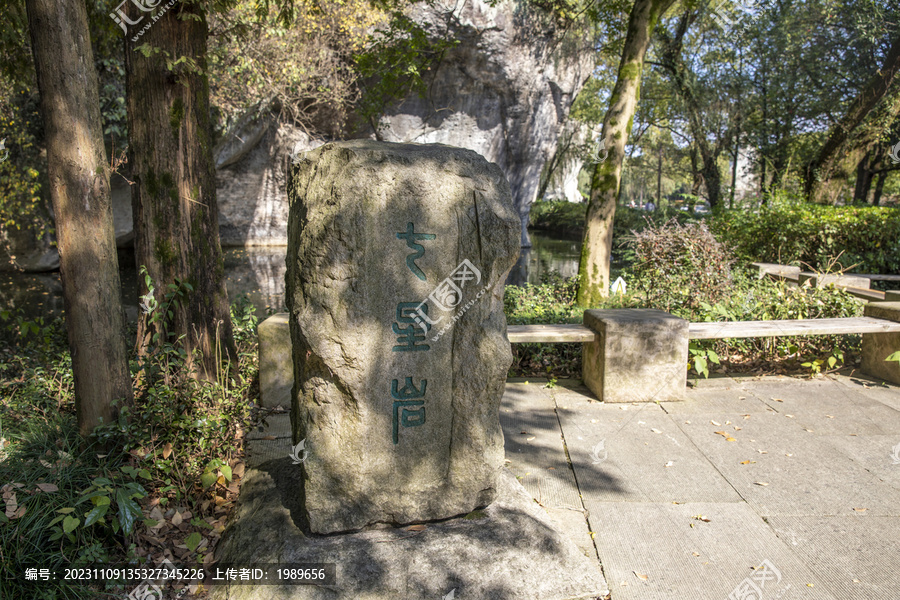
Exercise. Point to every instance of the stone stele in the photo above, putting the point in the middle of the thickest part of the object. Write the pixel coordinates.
(397, 256)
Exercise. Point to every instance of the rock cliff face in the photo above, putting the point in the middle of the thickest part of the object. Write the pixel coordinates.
(504, 91)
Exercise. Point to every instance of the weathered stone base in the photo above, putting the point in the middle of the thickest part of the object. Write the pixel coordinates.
(640, 355)
(876, 347)
(276, 367)
(510, 550)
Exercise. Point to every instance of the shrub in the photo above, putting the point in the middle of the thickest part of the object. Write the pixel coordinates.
(813, 235)
(680, 266)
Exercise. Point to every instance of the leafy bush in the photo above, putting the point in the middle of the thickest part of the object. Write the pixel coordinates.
(813, 235)
(564, 217)
(754, 299)
(93, 501)
(679, 266)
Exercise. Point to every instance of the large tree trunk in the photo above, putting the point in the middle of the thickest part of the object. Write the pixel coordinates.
(820, 170)
(79, 190)
(174, 197)
(879, 187)
(681, 76)
(596, 249)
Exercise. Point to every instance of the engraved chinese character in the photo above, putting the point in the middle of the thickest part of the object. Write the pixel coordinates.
(410, 338)
(410, 236)
(408, 412)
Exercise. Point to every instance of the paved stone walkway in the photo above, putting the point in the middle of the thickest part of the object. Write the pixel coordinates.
(687, 500)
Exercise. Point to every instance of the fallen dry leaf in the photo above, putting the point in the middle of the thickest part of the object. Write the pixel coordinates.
(416, 528)
(641, 576)
(701, 518)
(695, 553)
(529, 439)
(747, 462)
(167, 450)
(177, 519)
(860, 510)
(829, 416)
(238, 470)
(47, 487)
(762, 483)
(789, 416)
(656, 431)
(715, 423)
(268, 438)
(777, 399)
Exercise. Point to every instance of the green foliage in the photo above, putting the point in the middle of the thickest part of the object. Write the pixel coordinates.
(394, 62)
(559, 216)
(752, 299)
(94, 495)
(812, 235)
(679, 266)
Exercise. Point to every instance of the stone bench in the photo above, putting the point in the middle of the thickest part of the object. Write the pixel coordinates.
(632, 355)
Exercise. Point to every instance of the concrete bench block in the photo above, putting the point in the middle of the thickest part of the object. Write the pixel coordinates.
(876, 347)
(892, 296)
(819, 280)
(774, 269)
(640, 355)
(276, 369)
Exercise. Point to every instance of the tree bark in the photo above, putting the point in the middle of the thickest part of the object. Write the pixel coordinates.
(606, 179)
(673, 62)
(79, 190)
(176, 220)
(819, 172)
(879, 187)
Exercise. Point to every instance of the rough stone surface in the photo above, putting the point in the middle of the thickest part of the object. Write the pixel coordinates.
(640, 355)
(876, 347)
(401, 426)
(504, 91)
(892, 296)
(276, 369)
(819, 280)
(509, 551)
(776, 269)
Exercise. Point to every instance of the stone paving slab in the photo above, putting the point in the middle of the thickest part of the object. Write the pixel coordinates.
(885, 393)
(856, 556)
(780, 468)
(535, 454)
(878, 454)
(627, 453)
(683, 557)
(509, 551)
(830, 408)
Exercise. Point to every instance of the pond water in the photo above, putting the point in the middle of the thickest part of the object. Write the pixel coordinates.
(258, 273)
